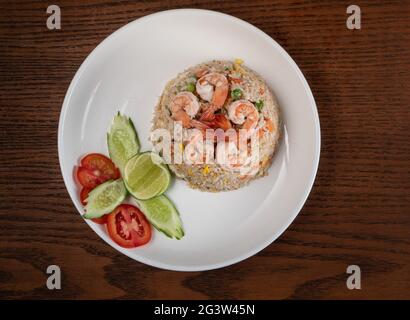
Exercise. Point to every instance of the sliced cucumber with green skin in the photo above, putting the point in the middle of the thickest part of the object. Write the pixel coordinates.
(105, 198)
(122, 141)
(163, 215)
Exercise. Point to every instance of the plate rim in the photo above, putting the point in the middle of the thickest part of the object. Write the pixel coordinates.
(294, 213)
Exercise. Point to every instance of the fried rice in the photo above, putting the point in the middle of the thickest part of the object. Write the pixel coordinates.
(210, 175)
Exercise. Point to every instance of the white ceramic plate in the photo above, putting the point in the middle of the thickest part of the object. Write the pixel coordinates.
(128, 72)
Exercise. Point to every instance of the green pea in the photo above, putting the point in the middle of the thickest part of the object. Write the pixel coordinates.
(236, 94)
(190, 87)
(259, 105)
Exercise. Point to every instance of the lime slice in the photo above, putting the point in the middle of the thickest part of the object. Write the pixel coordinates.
(163, 215)
(104, 198)
(146, 175)
(122, 141)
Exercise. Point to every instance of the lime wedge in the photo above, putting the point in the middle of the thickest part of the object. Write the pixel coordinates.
(146, 176)
(122, 141)
(104, 198)
(163, 215)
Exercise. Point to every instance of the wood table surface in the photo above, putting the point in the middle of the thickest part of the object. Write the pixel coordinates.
(358, 211)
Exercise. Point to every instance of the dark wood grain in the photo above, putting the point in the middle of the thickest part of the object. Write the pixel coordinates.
(357, 213)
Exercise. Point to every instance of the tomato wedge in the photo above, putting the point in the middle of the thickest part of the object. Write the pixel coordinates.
(128, 227)
(95, 169)
(83, 196)
(101, 220)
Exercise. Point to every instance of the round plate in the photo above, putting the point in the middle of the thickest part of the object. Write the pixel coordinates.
(128, 72)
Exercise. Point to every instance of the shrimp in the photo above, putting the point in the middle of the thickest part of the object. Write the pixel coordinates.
(197, 150)
(219, 121)
(234, 159)
(201, 72)
(212, 87)
(244, 113)
(184, 107)
(227, 154)
(193, 151)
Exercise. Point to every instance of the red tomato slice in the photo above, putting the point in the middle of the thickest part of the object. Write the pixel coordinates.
(95, 169)
(83, 195)
(87, 179)
(101, 220)
(100, 165)
(128, 227)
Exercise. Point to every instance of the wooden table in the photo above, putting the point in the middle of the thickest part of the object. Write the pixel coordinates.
(357, 213)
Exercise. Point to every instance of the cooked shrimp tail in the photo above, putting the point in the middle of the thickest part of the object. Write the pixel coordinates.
(209, 113)
(219, 121)
(244, 113)
(213, 87)
(199, 125)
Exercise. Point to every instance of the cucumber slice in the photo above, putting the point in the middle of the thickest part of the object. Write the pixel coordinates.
(122, 141)
(163, 215)
(105, 198)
